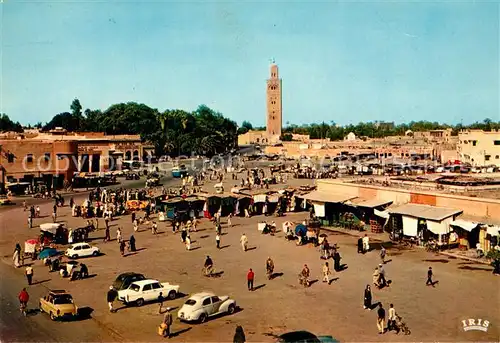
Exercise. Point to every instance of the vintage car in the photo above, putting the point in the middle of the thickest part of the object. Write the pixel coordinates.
(304, 337)
(59, 305)
(124, 280)
(200, 306)
(82, 250)
(143, 291)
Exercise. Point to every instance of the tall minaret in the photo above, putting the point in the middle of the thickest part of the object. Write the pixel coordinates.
(274, 109)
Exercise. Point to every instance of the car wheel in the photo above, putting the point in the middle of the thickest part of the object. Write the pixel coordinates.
(74, 256)
(203, 318)
(172, 295)
(95, 253)
(231, 309)
(52, 316)
(140, 302)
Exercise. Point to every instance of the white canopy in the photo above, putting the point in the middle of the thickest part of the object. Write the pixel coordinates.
(464, 224)
(382, 214)
(493, 230)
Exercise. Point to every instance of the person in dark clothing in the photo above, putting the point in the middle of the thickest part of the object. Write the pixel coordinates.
(429, 278)
(111, 297)
(381, 319)
(84, 271)
(184, 235)
(122, 248)
(360, 245)
(336, 260)
(133, 217)
(367, 303)
(239, 335)
(132, 243)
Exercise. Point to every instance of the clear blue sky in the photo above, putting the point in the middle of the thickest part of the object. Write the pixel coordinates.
(341, 62)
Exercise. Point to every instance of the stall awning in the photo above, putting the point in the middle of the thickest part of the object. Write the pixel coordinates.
(327, 197)
(370, 203)
(493, 230)
(425, 211)
(464, 224)
(381, 214)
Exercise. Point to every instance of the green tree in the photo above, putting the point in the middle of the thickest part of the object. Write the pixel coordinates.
(6, 124)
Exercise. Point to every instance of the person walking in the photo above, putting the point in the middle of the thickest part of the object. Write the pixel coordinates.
(17, 256)
(217, 240)
(381, 319)
(360, 245)
(367, 300)
(122, 247)
(250, 279)
(54, 216)
(336, 260)
(111, 297)
(382, 280)
(244, 242)
(131, 243)
(239, 335)
(229, 224)
(326, 273)
(107, 236)
(167, 323)
(429, 281)
(391, 319)
(188, 243)
(154, 228)
(160, 302)
(366, 244)
(382, 255)
(29, 274)
(30, 221)
(119, 238)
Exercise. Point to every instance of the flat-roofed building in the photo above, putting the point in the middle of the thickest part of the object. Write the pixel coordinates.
(479, 148)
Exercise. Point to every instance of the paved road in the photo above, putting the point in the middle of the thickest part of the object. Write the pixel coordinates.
(36, 326)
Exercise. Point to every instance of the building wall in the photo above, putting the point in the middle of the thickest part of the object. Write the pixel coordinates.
(479, 148)
(476, 207)
(67, 152)
(274, 103)
(30, 158)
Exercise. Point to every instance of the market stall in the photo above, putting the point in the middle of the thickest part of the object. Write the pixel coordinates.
(424, 222)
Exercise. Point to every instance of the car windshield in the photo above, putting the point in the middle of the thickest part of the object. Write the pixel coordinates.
(190, 302)
(135, 288)
(63, 299)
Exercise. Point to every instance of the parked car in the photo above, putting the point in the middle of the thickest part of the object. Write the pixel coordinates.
(200, 306)
(82, 250)
(59, 305)
(124, 280)
(143, 291)
(304, 337)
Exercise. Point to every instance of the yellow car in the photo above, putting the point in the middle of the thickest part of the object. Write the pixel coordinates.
(59, 305)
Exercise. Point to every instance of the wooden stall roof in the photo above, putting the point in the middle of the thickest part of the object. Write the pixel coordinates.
(425, 211)
(327, 197)
(370, 203)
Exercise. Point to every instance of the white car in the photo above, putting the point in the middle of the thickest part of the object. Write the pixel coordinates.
(147, 290)
(200, 306)
(82, 250)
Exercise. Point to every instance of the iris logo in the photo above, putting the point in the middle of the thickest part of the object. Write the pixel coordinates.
(475, 324)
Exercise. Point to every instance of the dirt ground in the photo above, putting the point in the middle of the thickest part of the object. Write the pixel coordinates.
(465, 290)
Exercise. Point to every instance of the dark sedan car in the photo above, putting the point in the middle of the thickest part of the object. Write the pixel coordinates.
(304, 337)
(125, 279)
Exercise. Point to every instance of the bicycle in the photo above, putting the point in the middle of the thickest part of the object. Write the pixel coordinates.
(209, 272)
(401, 326)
